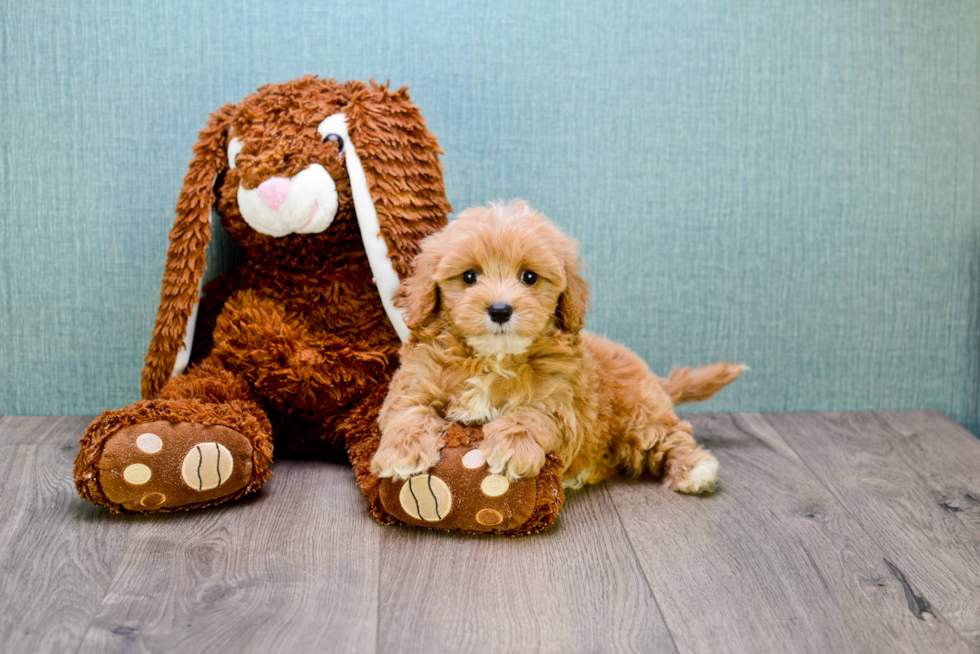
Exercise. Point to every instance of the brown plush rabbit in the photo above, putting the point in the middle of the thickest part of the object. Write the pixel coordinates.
(328, 187)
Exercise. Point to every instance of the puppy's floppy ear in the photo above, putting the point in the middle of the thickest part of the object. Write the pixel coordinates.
(419, 293)
(574, 300)
(189, 238)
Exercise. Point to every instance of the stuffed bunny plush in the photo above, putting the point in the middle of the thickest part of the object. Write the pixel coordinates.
(329, 188)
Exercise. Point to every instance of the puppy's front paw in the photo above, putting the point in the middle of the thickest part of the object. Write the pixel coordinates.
(403, 459)
(702, 478)
(410, 444)
(513, 457)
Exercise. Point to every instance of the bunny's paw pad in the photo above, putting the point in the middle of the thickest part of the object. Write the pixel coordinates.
(163, 465)
(460, 492)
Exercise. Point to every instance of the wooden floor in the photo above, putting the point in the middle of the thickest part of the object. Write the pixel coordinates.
(848, 532)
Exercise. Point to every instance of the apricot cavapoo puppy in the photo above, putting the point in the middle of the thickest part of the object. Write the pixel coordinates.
(496, 307)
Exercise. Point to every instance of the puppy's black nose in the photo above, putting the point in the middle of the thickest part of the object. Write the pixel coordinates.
(500, 312)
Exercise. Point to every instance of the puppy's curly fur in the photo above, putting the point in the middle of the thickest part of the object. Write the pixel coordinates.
(535, 381)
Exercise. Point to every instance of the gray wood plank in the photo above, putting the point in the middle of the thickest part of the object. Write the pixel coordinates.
(63, 431)
(771, 562)
(858, 532)
(295, 569)
(896, 486)
(946, 456)
(58, 554)
(575, 588)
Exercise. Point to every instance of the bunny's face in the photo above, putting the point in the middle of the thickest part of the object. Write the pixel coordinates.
(274, 198)
(286, 183)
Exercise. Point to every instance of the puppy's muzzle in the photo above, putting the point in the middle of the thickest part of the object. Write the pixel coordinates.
(500, 312)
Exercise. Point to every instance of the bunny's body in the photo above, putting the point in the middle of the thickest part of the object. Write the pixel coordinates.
(328, 188)
(308, 342)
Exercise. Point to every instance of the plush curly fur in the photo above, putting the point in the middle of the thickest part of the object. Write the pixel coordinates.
(295, 341)
(536, 383)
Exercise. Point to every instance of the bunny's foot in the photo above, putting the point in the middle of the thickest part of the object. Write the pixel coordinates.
(166, 455)
(460, 492)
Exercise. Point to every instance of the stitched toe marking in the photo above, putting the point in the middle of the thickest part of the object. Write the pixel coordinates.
(489, 517)
(473, 459)
(494, 485)
(426, 497)
(207, 466)
(149, 443)
(137, 474)
(153, 500)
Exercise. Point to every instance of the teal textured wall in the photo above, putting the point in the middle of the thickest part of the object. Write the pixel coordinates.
(789, 184)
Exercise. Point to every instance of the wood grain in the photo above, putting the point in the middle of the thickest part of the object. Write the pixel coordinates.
(771, 562)
(575, 588)
(830, 532)
(292, 570)
(61, 431)
(57, 553)
(946, 456)
(905, 489)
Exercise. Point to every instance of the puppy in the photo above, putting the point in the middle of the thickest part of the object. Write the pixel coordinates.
(496, 306)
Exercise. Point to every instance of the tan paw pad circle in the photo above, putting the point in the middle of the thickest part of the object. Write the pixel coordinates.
(137, 474)
(494, 485)
(207, 466)
(153, 500)
(149, 443)
(473, 459)
(425, 497)
(489, 517)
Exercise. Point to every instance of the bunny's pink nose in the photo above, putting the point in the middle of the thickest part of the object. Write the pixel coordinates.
(273, 192)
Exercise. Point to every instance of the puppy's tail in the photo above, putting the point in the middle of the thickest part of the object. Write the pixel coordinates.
(695, 384)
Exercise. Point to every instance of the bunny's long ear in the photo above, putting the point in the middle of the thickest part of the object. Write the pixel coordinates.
(174, 332)
(396, 183)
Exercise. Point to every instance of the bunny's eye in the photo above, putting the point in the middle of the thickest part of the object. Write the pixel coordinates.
(336, 138)
(234, 149)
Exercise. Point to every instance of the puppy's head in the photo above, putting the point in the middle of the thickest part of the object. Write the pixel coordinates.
(501, 276)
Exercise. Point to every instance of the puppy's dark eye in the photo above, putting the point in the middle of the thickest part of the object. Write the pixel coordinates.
(529, 277)
(336, 138)
(469, 277)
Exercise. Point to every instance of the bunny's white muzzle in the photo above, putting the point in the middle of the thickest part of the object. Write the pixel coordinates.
(305, 203)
